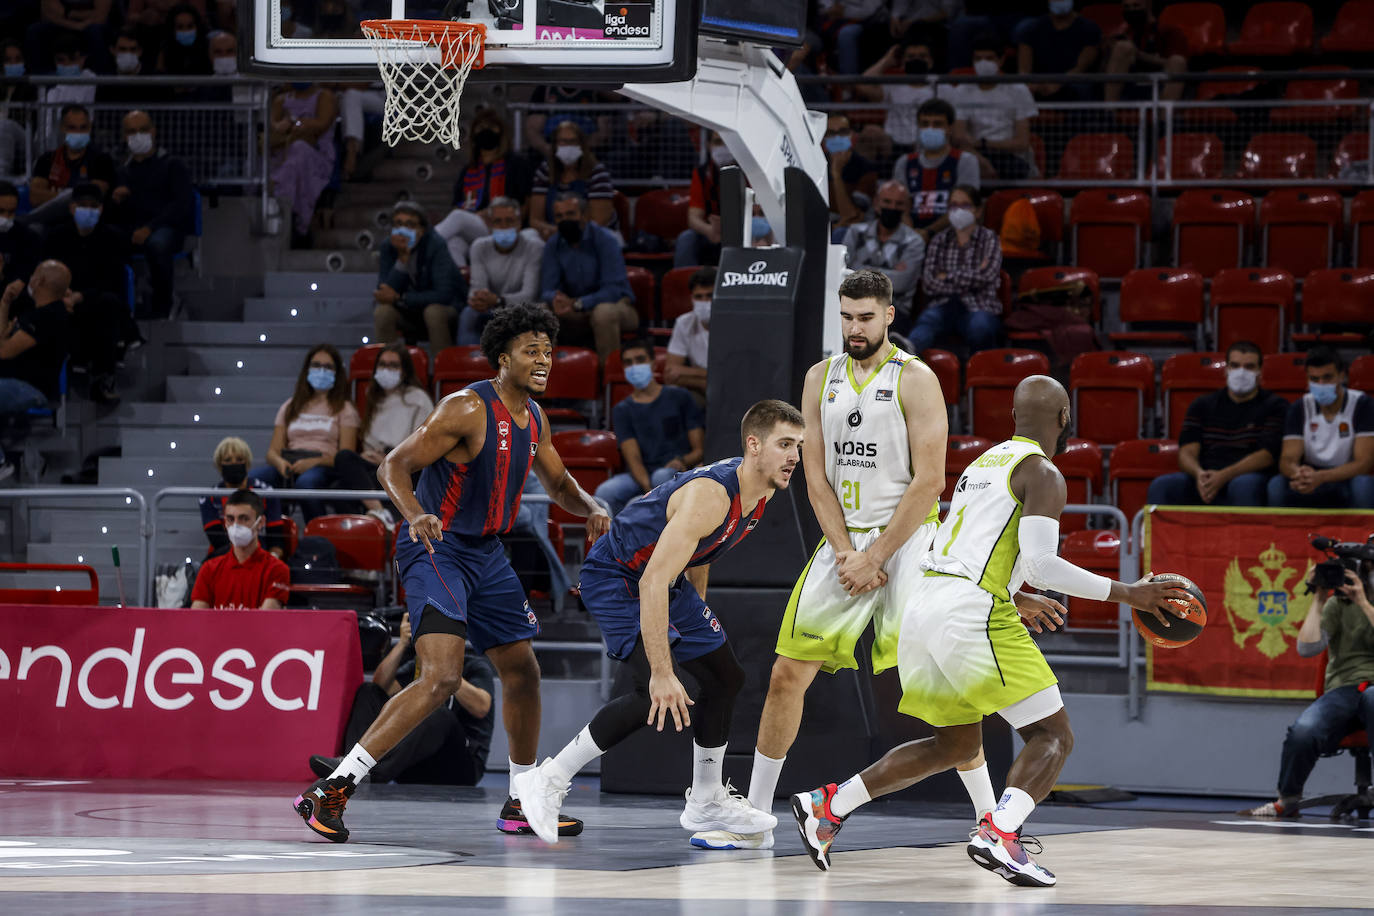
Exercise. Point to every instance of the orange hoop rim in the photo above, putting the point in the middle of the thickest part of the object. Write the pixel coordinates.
(438, 32)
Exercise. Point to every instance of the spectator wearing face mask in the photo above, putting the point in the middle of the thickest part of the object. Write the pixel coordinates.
(246, 577)
(659, 427)
(150, 17)
(232, 460)
(34, 345)
(505, 269)
(156, 201)
(127, 53)
(887, 244)
(571, 167)
(994, 118)
(395, 407)
(1328, 442)
(577, 106)
(19, 246)
(311, 427)
(850, 173)
(185, 49)
(915, 59)
(69, 60)
(72, 28)
(582, 280)
(933, 171)
(961, 276)
(689, 346)
(699, 243)
(493, 171)
(418, 283)
(1139, 45)
(74, 162)
(1060, 42)
(16, 117)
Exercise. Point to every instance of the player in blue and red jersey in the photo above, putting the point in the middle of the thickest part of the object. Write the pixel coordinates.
(645, 583)
(473, 454)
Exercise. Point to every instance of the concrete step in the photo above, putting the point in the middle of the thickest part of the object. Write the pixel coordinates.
(305, 311)
(179, 417)
(333, 260)
(208, 390)
(417, 173)
(374, 216)
(151, 442)
(363, 236)
(63, 526)
(431, 196)
(285, 283)
(165, 472)
(233, 362)
(272, 334)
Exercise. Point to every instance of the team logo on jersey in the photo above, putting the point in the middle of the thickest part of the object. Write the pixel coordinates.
(503, 428)
(962, 485)
(884, 394)
(855, 418)
(715, 624)
(534, 447)
(529, 615)
(753, 523)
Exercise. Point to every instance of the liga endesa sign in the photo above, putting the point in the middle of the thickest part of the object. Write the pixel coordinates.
(1249, 564)
(175, 694)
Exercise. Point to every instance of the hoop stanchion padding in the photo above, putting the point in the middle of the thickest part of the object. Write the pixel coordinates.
(424, 64)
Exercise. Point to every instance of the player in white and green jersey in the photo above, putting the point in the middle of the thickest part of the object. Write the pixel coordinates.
(963, 652)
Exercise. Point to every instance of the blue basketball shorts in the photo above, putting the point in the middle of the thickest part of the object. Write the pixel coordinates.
(613, 601)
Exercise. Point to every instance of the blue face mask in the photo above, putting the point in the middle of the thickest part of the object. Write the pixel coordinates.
(77, 141)
(407, 233)
(761, 228)
(86, 217)
(320, 379)
(14, 71)
(1324, 395)
(68, 69)
(1061, 7)
(931, 137)
(640, 375)
(836, 144)
(504, 238)
(186, 37)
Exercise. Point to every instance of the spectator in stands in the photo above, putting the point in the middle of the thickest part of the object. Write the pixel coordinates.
(505, 269)
(933, 171)
(302, 141)
(394, 408)
(69, 60)
(1341, 623)
(73, 24)
(493, 171)
(1006, 19)
(961, 277)
(72, 163)
(150, 18)
(850, 173)
(156, 200)
(699, 243)
(994, 118)
(232, 460)
(1229, 441)
(852, 26)
(224, 53)
(311, 428)
(582, 279)
(887, 244)
(356, 101)
(127, 52)
(185, 48)
(1328, 442)
(33, 346)
(902, 101)
(688, 347)
(540, 126)
(660, 429)
(1139, 45)
(246, 577)
(18, 244)
(1061, 42)
(417, 282)
(449, 747)
(928, 16)
(571, 167)
(15, 121)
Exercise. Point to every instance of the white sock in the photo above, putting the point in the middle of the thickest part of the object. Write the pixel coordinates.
(579, 752)
(357, 763)
(979, 787)
(708, 770)
(763, 782)
(1013, 810)
(851, 794)
(516, 769)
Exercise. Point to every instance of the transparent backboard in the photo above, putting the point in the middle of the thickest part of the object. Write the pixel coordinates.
(544, 41)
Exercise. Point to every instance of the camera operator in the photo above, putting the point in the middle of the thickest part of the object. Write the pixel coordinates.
(1342, 622)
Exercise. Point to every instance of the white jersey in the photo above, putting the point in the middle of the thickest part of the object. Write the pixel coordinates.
(978, 538)
(868, 453)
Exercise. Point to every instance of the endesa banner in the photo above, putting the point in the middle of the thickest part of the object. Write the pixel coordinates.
(144, 693)
(1249, 564)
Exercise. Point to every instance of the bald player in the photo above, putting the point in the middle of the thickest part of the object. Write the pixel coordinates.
(963, 653)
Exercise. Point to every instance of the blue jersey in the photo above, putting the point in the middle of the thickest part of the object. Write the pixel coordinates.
(635, 531)
(482, 496)
(930, 187)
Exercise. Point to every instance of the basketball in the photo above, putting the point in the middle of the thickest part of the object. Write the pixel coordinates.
(1181, 630)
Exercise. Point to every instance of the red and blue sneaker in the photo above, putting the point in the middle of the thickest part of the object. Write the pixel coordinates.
(1007, 854)
(322, 805)
(816, 823)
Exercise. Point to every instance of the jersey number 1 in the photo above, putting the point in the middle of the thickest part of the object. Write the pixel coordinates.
(954, 532)
(851, 494)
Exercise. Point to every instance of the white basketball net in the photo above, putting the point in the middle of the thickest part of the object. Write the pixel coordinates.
(423, 70)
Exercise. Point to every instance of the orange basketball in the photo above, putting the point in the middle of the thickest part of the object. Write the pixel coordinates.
(1181, 630)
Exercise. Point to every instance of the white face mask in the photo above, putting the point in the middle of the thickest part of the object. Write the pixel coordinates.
(241, 535)
(961, 218)
(720, 155)
(986, 67)
(702, 309)
(126, 62)
(568, 154)
(1241, 381)
(388, 378)
(6, 223)
(140, 144)
(225, 66)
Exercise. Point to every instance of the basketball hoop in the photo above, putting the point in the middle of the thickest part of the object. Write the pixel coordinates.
(424, 64)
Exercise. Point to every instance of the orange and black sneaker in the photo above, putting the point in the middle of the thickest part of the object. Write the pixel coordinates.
(512, 820)
(321, 807)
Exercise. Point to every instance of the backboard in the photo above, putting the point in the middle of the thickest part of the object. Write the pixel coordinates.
(601, 42)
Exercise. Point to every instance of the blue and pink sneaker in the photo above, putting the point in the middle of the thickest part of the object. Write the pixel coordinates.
(816, 823)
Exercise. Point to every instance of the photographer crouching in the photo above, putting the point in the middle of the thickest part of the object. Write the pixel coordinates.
(1341, 621)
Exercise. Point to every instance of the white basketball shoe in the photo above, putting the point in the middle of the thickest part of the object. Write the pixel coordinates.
(722, 839)
(725, 810)
(541, 792)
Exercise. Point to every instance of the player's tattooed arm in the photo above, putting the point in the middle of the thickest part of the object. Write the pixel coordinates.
(458, 424)
(563, 488)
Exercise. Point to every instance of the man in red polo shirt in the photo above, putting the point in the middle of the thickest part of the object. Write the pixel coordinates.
(247, 576)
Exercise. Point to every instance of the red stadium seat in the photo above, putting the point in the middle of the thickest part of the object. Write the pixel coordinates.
(1300, 229)
(364, 360)
(1251, 303)
(1353, 30)
(1081, 465)
(1098, 157)
(457, 367)
(1106, 15)
(48, 593)
(575, 378)
(1163, 306)
(992, 374)
(959, 454)
(1099, 552)
(1353, 148)
(1211, 228)
(1277, 29)
(1049, 211)
(1284, 374)
(617, 388)
(1219, 89)
(1194, 156)
(1337, 306)
(1111, 393)
(1204, 24)
(1110, 229)
(1362, 227)
(1361, 375)
(1275, 157)
(662, 213)
(945, 365)
(642, 285)
(361, 542)
(1184, 377)
(1322, 90)
(592, 456)
(675, 294)
(1049, 277)
(1133, 465)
